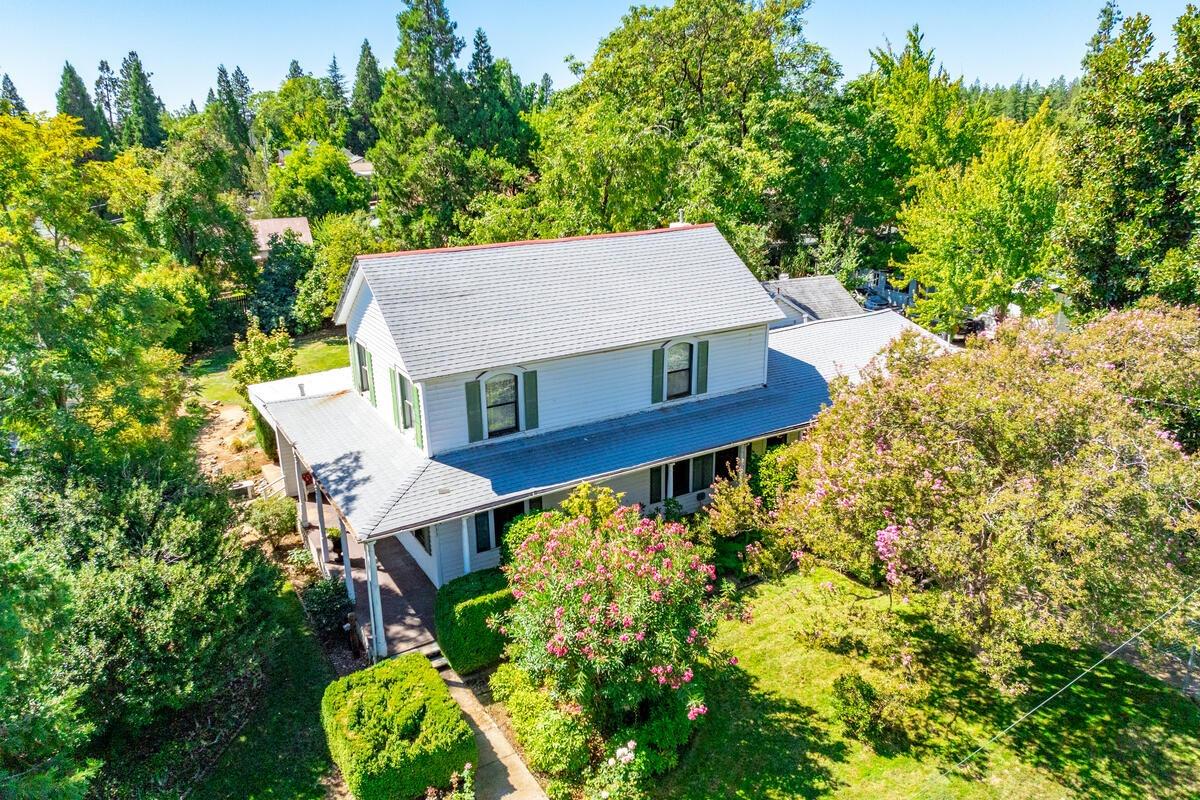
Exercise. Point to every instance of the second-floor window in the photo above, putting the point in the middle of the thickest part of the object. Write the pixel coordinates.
(406, 404)
(500, 392)
(364, 368)
(679, 370)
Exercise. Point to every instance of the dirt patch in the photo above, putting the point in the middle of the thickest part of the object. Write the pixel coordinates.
(226, 445)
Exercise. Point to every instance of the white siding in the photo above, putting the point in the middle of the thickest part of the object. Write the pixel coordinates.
(586, 388)
(426, 561)
(449, 539)
(366, 326)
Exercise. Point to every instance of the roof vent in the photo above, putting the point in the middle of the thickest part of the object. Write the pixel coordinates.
(301, 387)
(679, 223)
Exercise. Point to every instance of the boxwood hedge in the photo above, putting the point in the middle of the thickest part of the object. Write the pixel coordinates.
(463, 608)
(394, 730)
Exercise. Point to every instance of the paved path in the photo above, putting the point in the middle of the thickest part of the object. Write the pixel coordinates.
(500, 773)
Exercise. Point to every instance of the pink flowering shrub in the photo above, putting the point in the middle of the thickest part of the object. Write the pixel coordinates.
(613, 613)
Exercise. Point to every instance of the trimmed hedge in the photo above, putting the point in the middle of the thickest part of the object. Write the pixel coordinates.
(555, 742)
(463, 608)
(394, 730)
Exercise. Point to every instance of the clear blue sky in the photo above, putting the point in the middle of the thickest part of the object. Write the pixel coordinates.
(182, 42)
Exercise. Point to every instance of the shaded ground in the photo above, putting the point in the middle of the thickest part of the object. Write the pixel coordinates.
(771, 733)
(281, 751)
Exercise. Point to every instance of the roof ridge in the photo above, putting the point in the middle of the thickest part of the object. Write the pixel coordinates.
(468, 247)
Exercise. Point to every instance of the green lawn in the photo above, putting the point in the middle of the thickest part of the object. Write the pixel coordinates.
(771, 733)
(281, 752)
(314, 353)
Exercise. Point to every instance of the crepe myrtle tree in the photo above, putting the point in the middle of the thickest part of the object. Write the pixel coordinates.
(1025, 497)
(613, 613)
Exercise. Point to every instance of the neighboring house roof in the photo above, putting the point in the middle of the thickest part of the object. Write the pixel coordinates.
(264, 229)
(812, 298)
(382, 484)
(462, 309)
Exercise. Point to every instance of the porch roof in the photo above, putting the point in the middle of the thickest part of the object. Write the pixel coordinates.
(382, 484)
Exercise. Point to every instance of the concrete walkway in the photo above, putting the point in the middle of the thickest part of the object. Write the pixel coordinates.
(500, 773)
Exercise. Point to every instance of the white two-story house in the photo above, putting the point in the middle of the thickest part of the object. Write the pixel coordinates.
(489, 381)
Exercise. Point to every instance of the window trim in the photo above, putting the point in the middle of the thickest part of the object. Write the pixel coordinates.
(691, 369)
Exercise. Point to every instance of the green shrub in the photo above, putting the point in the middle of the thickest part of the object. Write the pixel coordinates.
(662, 734)
(264, 434)
(463, 608)
(555, 742)
(327, 604)
(272, 517)
(856, 705)
(394, 730)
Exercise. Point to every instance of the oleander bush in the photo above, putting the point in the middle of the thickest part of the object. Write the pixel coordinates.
(464, 606)
(393, 730)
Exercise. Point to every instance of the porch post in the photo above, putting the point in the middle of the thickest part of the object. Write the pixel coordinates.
(347, 573)
(378, 635)
(321, 528)
(301, 493)
(466, 541)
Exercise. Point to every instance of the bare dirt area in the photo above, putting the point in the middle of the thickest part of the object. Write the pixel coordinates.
(226, 443)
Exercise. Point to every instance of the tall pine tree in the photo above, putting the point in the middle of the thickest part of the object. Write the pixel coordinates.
(73, 100)
(420, 169)
(294, 70)
(138, 106)
(106, 89)
(368, 86)
(333, 86)
(242, 91)
(10, 101)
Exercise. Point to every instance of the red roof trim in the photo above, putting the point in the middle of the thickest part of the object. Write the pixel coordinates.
(467, 247)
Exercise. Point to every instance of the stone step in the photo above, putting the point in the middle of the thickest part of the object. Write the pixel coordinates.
(440, 663)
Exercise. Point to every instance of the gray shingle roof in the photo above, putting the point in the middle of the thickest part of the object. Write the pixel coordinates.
(814, 297)
(382, 484)
(473, 308)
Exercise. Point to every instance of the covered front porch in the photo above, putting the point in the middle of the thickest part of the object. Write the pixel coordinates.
(378, 575)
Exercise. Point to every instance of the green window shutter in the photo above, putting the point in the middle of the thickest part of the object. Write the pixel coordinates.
(354, 367)
(474, 412)
(702, 367)
(531, 408)
(656, 388)
(656, 484)
(417, 429)
(371, 376)
(394, 385)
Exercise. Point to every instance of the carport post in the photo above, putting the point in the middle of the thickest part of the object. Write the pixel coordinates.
(301, 494)
(321, 528)
(346, 573)
(378, 635)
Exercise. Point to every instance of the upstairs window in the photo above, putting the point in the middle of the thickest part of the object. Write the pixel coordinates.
(500, 392)
(679, 370)
(364, 367)
(406, 402)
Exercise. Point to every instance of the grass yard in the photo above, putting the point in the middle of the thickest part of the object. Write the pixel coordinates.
(314, 353)
(281, 752)
(771, 732)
